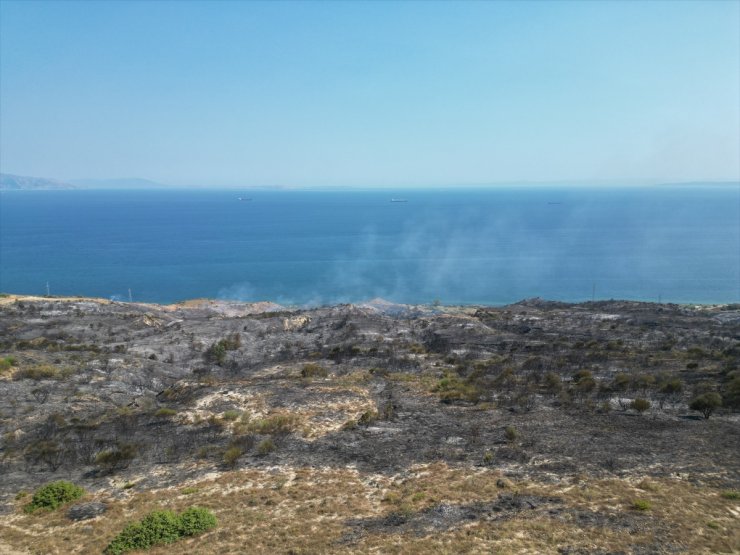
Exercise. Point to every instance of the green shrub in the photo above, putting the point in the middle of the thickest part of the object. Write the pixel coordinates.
(156, 528)
(265, 446)
(217, 351)
(165, 412)
(196, 520)
(231, 414)
(275, 424)
(53, 495)
(640, 405)
(117, 457)
(231, 455)
(641, 505)
(312, 370)
(732, 495)
(706, 403)
(6, 363)
(161, 527)
(452, 388)
(510, 433)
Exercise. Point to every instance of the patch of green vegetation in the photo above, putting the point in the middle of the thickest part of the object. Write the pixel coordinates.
(641, 505)
(640, 405)
(6, 363)
(189, 491)
(732, 495)
(231, 415)
(713, 525)
(54, 495)
(165, 412)
(275, 424)
(453, 388)
(217, 351)
(706, 403)
(161, 527)
(265, 446)
(511, 433)
(312, 370)
(232, 454)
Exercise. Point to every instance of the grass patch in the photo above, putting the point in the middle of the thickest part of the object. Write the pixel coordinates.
(641, 505)
(274, 424)
(165, 413)
(732, 495)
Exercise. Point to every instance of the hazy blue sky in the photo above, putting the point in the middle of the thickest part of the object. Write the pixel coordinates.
(378, 93)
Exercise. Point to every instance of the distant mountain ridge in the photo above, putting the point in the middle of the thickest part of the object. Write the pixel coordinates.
(21, 182)
(117, 183)
(10, 182)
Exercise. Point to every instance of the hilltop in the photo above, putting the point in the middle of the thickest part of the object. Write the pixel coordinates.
(538, 427)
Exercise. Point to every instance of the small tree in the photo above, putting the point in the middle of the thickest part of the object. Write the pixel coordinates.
(706, 403)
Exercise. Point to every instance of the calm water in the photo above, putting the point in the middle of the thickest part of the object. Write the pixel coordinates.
(678, 244)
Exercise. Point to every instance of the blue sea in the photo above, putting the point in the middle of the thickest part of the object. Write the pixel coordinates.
(494, 246)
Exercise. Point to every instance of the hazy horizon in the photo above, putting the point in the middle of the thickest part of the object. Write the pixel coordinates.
(362, 95)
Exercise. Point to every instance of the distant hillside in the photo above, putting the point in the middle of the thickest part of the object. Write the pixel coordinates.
(119, 183)
(21, 182)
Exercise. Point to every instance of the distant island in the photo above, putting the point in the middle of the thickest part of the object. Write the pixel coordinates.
(10, 182)
(20, 182)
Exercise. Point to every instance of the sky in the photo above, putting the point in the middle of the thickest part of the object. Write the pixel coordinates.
(306, 94)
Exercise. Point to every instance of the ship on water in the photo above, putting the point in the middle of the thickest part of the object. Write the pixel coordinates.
(399, 200)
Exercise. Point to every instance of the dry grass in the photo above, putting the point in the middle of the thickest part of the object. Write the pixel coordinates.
(306, 511)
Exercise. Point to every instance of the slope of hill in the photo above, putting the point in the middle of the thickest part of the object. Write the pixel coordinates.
(537, 427)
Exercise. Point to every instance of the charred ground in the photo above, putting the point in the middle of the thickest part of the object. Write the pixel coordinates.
(533, 397)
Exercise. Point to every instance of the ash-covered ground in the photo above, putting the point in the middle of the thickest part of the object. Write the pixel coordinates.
(108, 393)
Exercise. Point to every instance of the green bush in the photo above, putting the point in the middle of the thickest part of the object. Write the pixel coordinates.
(161, 527)
(510, 433)
(640, 405)
(231, 455)
(53, 495)
(275, 424)
(231, 414)
(265, 446)
(313, 371)
(165, 412)
(706, 403)
(196, 520)
(452, 388)
(732, 495)
(641, 505)
(6, 363)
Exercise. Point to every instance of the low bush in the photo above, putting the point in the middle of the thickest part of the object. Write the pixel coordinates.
(511, 433)
(165, 412)
(732, 495)
(452, 388)
(706, 403)
(275, 424)
(265, 446)
(6, 363)
(231, 415)
(641, 505)
(231, 455)
(39, 372)
(161, 527)
(54, 495)
(312, 370)
(640, 405)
